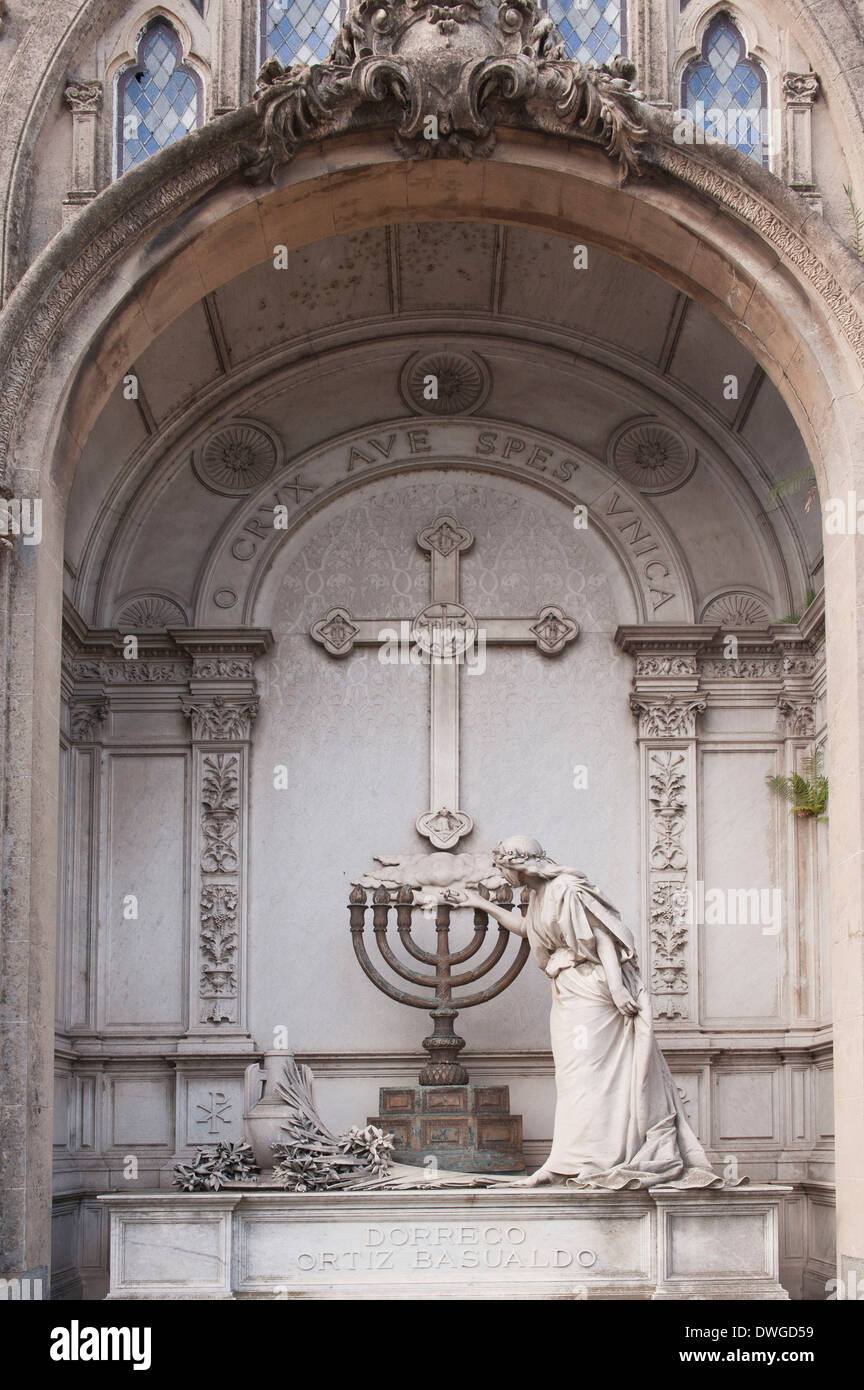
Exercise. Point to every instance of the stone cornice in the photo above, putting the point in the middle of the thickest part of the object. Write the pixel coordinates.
(226, 641)
(642, 639)
(95, 657)
(678, 668)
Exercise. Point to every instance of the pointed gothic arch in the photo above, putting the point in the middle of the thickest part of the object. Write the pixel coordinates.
(158, 98)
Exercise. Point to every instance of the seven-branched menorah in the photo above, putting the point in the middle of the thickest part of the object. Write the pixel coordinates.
(443, 1045)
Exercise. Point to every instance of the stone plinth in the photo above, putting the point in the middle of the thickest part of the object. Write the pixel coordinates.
(466, 1129)
(484, 1244)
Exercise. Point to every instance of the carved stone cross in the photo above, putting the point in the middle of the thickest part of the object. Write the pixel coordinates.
(445, 633)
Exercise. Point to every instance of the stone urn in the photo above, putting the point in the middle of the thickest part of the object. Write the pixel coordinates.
(264, 1113)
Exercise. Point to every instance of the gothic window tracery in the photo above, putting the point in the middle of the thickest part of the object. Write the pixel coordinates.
(159, 98)
(299, 31)
(592, 30)
(726, 91)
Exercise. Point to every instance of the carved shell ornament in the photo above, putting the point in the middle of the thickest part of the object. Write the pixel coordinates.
(737, 610)
(150, 613)
(445, 74)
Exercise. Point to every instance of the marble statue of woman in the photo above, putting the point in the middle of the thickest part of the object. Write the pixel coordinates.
(618, 1117)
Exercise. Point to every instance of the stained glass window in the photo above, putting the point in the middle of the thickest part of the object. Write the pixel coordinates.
(592, 30)
(298, 31)
(726, 92)
(158, 100)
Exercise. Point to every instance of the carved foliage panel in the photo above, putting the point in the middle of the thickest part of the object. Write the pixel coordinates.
(221, 726)
(219, 868)
(670, 797)
(219, 855)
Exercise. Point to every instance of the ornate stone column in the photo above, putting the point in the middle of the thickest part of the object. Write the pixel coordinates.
(667, 702)
(221, 706)
(800, 90)
(84, 100)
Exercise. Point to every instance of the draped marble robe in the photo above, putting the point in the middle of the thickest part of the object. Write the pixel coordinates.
(619, 1121)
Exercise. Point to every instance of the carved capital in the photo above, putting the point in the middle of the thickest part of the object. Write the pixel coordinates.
(83, 98)
(800, 88)
(85, 718)
(221, 719)
(799, 716)
(669, 718)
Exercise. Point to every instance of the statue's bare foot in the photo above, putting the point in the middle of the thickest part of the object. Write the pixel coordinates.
(541, 1178)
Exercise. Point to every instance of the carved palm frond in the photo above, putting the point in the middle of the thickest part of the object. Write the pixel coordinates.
(212, 1168)
(311, 1158)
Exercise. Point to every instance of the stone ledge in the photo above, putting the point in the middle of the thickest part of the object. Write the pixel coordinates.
(483, 1244)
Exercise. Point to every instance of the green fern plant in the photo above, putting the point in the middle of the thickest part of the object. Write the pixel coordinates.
(787, 487)
(856, 240)
(808, 793)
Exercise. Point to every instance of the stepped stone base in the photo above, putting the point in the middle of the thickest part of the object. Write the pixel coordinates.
(548, 1243)
(466, 1129)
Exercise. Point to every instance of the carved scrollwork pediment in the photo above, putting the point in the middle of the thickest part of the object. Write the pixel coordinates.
(446, 71)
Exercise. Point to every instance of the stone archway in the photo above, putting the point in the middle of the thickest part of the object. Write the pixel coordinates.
(719, 230)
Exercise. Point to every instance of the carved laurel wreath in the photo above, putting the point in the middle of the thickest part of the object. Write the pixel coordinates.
(447, 99)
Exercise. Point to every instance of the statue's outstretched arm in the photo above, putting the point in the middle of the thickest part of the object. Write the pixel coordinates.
(467, 897)
(513, 921)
